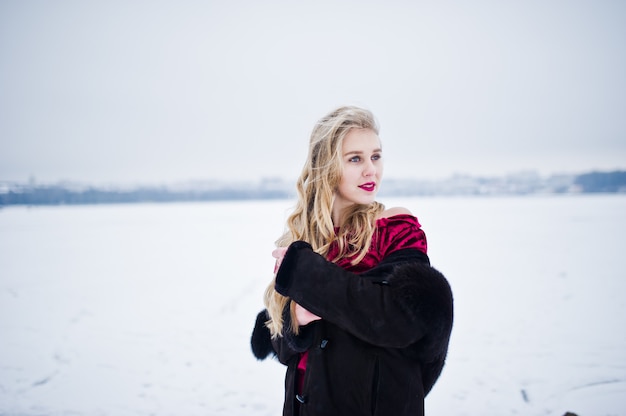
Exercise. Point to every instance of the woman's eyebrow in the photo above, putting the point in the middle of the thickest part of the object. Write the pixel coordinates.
(360, 152)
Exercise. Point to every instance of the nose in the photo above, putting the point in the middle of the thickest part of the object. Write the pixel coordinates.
(369, 169)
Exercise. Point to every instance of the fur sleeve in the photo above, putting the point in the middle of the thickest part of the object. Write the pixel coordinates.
(283, 347)
(261, 340)
(400, 302)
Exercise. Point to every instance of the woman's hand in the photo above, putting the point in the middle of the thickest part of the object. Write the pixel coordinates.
(278, 254)
(303, 316)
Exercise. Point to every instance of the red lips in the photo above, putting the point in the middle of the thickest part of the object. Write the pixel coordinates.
(369, 186)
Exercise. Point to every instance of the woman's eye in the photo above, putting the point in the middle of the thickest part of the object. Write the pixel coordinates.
(355, 159)
(377, 156)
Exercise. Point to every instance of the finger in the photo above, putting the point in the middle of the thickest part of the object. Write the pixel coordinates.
(279, 252)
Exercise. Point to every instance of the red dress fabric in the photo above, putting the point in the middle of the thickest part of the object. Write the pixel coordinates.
(392, 234)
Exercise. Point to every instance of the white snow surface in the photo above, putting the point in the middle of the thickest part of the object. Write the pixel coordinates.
(147, 309)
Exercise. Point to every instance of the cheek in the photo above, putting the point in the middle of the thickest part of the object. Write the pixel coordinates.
(348, 174)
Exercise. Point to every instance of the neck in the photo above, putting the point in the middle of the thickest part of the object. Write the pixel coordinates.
(339, 214)
(337, 219)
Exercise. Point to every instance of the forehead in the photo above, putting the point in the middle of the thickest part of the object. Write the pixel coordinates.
(360, 140)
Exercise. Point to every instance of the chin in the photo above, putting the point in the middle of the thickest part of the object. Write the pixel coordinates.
(367, 201)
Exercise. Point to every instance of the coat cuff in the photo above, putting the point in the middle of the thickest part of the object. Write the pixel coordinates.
(283, 276)
(261, 340)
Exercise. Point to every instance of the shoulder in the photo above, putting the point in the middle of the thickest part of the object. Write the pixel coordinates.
(398, 228)
(396, 217)
(391, 212)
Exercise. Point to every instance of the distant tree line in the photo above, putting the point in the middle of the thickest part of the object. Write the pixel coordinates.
(59, 195)
(594, 182)
(602, 181)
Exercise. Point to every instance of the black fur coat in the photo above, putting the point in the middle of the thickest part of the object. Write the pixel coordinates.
(382, 340)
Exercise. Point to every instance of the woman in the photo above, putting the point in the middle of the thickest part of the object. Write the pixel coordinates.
(355, 311)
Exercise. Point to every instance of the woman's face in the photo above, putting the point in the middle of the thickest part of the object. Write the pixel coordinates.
(361, 158)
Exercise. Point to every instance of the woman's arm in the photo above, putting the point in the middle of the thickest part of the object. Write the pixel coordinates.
(303, 316)
(288, 344)
(395, 304)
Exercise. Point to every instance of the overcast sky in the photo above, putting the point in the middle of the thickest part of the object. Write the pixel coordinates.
(160, 92)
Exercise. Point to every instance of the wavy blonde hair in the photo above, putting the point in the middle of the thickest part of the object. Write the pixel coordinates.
(311, 220)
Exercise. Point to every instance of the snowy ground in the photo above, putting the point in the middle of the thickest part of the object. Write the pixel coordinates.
(147, 309)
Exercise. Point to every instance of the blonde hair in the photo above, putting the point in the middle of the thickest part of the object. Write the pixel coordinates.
(311, 220)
